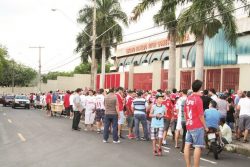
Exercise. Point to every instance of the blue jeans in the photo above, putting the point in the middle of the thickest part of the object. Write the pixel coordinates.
(196, 137)
(108, 120)
(141, 118)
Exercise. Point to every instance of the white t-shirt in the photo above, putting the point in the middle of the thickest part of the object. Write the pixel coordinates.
(244, 104)
(71, 99)
(83, 100)
(100, 102)
(226, 132)
(90, 103)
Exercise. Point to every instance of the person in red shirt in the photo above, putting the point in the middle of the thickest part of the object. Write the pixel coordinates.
(48, 102)
(129, 113)
(195, 124)
(66, 102)
(121, 117)
(168, 115)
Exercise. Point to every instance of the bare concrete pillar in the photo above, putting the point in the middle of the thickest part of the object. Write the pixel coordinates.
(156, 78)
(131, 77)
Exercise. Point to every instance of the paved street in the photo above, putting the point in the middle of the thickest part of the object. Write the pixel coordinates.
(29, 139)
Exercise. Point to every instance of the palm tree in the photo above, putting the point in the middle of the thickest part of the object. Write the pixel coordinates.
(203, 23)
(109, 15)
(165, 16)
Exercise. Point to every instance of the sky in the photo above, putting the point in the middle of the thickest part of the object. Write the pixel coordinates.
(32, 23)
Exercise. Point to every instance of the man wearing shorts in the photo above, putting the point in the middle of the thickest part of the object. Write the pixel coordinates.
(129, 114)
(48, 102)
(157, 113)
(121, 120)
(195, 124)
(244, 121)
(168, 115)
(100, 109)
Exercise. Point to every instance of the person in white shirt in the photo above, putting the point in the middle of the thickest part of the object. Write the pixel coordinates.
(244, 121)
(100, 109)
(225, 132)
(71, 98)
(213, 95)
(90, 110)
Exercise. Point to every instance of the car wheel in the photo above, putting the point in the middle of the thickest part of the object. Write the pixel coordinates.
(28, 107)
(14, 106)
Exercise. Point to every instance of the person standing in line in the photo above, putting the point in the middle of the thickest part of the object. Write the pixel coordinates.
(77, 108)
(111, 116)
(236, 101)
(129, 113)
(195, 123)
(90, 110)
(139, 107)
(100, 109)
(157, 125)
(71, 98)
(222, 105)
(168, 115)
(212, 94)
(205, 99)
(180, 110)
(48, 103)
(230, 120)
(244, 116)
(66, 103)
(122, 118)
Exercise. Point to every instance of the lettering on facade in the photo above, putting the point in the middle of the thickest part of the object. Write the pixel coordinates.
(151, 45)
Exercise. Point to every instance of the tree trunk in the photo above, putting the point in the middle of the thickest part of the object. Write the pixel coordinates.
(199, 60)
(172, 60)
(103, 66)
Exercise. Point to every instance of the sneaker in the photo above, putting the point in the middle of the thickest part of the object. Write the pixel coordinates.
(86, 129)
(117, 142)
(160, 152)
(131, 137)
(104, 141)
(144, 139)
(155, 153)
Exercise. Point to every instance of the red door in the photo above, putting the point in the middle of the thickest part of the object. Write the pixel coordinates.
(143, 81)
(213, 79)
(185, 80)
(164, 79)
(231, 78)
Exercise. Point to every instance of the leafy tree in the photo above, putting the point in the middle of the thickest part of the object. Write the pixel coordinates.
(108, 15)
(166, 16)
(195, 20)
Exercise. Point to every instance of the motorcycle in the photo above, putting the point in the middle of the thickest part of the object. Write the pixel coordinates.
(214, 143)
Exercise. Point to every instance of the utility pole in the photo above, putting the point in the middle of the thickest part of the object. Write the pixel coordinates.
(13, 76)
(93, 79)
(39, 65)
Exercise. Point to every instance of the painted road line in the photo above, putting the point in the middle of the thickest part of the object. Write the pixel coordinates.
(9, 120)
(206, 160)
(166, 147)
(166, 151)
(21, 137)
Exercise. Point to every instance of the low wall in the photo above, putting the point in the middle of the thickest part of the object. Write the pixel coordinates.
(62, 83)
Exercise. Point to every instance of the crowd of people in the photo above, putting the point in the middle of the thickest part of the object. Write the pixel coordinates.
(187, 112)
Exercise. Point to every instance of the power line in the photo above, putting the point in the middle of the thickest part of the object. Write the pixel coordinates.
(159, 33)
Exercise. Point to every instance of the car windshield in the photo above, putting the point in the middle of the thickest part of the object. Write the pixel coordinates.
(21, 97)
(9, 97)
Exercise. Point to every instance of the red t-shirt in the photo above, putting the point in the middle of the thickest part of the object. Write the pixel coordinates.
(193, 110)
(120, 101)
(48, 98)
(169, 106)
(66, 100)
(129, 101)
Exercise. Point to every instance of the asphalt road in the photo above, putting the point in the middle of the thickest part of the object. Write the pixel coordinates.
(30, 139)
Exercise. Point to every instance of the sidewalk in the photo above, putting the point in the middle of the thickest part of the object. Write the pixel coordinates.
(238, 147)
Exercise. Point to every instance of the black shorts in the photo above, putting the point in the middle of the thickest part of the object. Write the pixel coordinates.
(167, 124)
(173, 125)
(71, 108)
(99, 115)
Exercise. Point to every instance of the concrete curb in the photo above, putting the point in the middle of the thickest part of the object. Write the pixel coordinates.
(238, 148)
